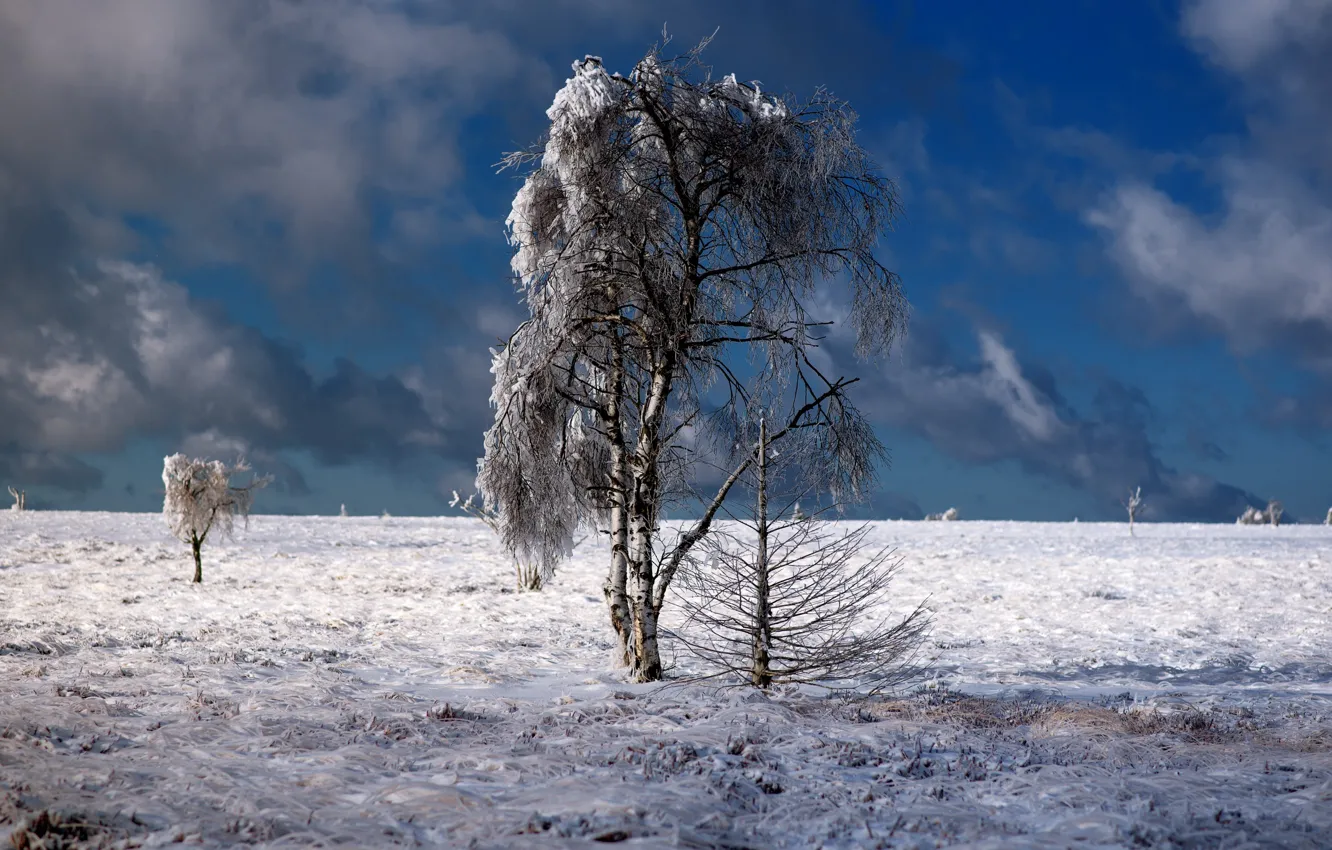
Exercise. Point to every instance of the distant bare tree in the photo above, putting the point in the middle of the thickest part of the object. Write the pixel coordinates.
(200, 498)
(20, 499)
(1274, 511)
(671, 225)
(531, 575)
(1133, 504)
(789, 600)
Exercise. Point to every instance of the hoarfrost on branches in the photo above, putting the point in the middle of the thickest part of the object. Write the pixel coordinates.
(530, 576)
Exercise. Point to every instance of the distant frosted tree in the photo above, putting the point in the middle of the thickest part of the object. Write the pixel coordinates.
(200, 499)
(670, 226)
(342, 512)
(1270, 515)
(1328, 521)
(1133, 504)
(949, 515)
(20, 499)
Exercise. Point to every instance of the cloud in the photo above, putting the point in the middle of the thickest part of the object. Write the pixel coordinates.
(1242, 34)
(995, 408)
(94, 357)
(1255, 268)
(1261, 274)
(22, 468)
(285, 118)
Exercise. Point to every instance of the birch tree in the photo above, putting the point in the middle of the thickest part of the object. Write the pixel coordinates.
(669, 226)
(199, 498)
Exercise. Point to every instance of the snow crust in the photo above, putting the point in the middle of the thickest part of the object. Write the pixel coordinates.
(375, 682)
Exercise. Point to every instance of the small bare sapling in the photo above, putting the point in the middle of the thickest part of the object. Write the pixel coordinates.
(20, 499)
(795, 601)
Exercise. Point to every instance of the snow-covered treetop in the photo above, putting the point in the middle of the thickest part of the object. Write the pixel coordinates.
(668, 215)
(199, 496)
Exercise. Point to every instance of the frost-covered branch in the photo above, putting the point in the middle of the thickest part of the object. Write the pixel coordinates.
(530, 576)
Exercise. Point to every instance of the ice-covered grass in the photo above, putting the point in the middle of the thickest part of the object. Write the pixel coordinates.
(375, 682)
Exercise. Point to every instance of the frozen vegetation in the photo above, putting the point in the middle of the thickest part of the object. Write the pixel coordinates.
(376, 682)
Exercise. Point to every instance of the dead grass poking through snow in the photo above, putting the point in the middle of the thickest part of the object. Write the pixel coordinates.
(1043, 717)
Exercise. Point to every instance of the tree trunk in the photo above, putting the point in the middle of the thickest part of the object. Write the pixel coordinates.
(616, 588)
(645, 664)
(644, 510)
(760, 671)
(196, 545)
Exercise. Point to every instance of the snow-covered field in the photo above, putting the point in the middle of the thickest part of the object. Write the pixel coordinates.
(375, 682)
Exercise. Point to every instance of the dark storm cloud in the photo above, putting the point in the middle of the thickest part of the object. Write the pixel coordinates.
(22, 468)
(96, 354)
(257, 130)
(285, 134)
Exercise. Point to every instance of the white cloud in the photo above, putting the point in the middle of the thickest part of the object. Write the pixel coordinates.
(1004, 384)
(1241, 34)
(1262, 268)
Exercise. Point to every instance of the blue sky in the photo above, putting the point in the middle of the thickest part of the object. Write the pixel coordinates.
(276, 227)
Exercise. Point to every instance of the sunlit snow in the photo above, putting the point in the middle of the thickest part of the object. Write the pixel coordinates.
(370, 682)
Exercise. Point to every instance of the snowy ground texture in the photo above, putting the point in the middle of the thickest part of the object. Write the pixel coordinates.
(374, 682)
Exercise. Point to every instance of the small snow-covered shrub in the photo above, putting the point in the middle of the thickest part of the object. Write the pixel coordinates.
(1133, 505)
(947, 516)
(199, 497)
